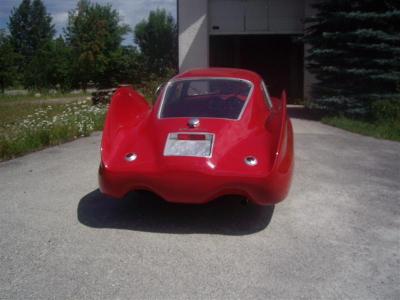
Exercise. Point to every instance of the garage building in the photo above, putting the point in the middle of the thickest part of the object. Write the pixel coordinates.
(260, 35)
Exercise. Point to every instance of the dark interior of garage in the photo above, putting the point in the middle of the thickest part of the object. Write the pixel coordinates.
(279, 59)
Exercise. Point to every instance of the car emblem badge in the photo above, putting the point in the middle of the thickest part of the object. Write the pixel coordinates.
(193, 123)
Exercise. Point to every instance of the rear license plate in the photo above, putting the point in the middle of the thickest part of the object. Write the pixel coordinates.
(189, 144)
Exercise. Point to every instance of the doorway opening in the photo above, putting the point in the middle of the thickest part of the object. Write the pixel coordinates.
(279, 59)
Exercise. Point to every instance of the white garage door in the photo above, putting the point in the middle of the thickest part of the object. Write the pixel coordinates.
(256, 12)
(226, 16)
(256, 16)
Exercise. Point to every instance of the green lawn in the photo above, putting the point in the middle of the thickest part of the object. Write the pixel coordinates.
(381, 129)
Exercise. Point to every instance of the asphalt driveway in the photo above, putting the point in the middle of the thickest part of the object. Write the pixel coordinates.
(336, 236)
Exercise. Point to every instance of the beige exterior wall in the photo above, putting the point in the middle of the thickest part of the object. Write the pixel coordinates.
(193, 34)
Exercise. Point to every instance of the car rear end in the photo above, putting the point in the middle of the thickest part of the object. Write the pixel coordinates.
(201, 141)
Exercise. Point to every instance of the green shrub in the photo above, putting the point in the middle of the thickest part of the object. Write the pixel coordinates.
(388, 110)
(382, 129)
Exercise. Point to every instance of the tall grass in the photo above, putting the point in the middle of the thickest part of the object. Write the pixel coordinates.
(32, 128)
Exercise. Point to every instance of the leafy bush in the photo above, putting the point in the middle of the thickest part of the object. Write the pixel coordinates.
(383, 121)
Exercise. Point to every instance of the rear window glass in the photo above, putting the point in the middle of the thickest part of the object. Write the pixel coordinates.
(210, 98)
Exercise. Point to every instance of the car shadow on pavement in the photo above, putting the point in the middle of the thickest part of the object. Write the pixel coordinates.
(147, 212)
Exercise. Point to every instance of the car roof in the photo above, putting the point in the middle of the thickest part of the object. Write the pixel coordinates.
(220, 72)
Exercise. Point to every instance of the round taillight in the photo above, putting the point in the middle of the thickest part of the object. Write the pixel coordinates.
(250, 161)
(130, 157)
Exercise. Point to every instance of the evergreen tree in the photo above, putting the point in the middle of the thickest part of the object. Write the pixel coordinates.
(157, 40)
(8, 62)
(31, 32)
(355, 53)
(30, 27)
(42, 30)
(20, 28)
(94, 32)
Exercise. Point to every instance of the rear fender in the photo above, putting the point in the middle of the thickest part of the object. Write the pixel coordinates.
(281, 130)
(282, 142)
(127, 109)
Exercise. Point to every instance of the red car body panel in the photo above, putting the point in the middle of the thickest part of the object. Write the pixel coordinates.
(133, 126)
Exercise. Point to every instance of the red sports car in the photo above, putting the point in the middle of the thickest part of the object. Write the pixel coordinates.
(212, 132)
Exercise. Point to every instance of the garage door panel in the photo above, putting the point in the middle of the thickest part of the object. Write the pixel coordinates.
(226, 16)
(256, 16)
(256, 12)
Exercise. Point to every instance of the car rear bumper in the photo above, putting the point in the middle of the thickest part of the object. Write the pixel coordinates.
(196, 187)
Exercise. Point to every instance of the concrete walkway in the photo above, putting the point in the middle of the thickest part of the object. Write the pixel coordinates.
(337, 236)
